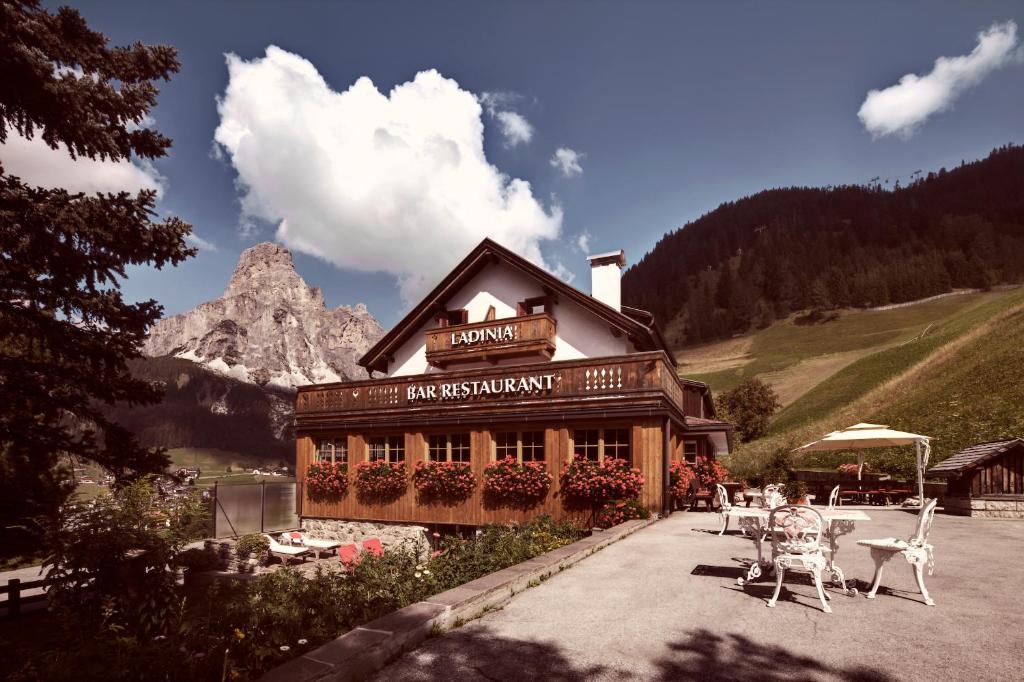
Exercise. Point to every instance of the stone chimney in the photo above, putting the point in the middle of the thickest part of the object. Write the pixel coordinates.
(606, 276)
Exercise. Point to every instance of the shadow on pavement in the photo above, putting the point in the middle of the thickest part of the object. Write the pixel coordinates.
(478, 653)
(707, 655)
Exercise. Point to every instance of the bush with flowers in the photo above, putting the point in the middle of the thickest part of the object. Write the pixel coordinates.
(615, 512)
(326, 480)
(680, 476)
(612, 479)
(850, 469)
(709, 472)
(509, 482)
(446, 481)
(381, 481)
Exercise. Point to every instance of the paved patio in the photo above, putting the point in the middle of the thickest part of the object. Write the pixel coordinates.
(663, 604)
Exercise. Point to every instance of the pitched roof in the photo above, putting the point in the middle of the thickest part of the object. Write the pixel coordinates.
(973, 456)
(638, 325)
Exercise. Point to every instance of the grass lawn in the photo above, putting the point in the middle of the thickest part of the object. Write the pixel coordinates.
(795, 358)
(963, 383)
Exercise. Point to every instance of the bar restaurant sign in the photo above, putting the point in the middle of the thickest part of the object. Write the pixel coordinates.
(465, 389)
(468, 338)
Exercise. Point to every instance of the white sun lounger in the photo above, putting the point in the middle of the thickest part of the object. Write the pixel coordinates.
(286, 551)
(318, 545)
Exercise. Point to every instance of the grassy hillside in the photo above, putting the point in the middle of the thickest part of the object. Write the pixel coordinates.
(795, 357)
(962, 383)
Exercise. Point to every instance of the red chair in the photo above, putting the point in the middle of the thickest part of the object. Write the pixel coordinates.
(373, 546)
(349, 554)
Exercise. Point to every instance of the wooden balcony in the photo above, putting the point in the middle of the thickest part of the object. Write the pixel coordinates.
(636, 382)
(492, 340)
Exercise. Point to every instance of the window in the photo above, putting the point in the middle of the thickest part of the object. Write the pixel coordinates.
(449, 318)
(525, 446)
(534, 306)
(448, 447)
(598, 444)
(386, 448)
(690, 451)
(332, 450)
(587, 444)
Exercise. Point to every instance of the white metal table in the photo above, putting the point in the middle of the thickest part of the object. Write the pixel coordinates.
(754, 522)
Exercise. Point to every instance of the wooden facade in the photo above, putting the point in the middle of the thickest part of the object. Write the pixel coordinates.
(630, 402)
(529, 335)
(985, 479)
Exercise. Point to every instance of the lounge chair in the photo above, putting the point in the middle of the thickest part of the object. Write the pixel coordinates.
(318, 545)
(349, 555)
(373, 546)
(284, 552)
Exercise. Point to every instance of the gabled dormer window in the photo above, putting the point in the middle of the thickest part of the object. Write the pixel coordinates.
(450, 318)
(534, 306)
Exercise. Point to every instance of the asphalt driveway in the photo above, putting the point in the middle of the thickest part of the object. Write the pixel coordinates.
(663, 604)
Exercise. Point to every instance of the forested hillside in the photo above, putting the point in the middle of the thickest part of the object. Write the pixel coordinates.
(201, 409)
(760, 258)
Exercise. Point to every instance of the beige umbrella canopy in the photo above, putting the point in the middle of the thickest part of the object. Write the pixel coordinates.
(861, 436)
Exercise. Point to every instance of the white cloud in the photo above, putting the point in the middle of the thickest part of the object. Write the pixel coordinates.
(195, 240)
(583, 242)
(394, 182)
(37, 164)
(568, 161)
(515, 128)
(901, 108)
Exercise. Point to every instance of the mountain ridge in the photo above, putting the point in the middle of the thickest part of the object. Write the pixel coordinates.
(760, 258)
(269, 327)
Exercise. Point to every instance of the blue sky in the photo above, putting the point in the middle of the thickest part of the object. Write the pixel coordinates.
(675, 109)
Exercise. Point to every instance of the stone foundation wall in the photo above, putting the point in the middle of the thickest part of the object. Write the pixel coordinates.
(1000, 509)
(390, 534)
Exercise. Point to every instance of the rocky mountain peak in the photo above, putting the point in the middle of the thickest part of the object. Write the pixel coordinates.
(269, 327)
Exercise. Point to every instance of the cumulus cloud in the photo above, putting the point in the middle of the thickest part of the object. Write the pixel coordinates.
(901, 108)
(513, 126)
(568, 161)
(37, 164)
(394, 182)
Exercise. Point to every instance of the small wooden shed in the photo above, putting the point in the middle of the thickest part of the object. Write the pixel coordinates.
(985, 479)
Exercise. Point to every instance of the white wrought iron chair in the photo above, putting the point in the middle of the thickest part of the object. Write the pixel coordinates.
(916, 551)
(771, 497)
(724, 506)
(833, 499)
(796, 532)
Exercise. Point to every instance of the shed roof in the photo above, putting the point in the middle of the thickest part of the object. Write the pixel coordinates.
(973, 456)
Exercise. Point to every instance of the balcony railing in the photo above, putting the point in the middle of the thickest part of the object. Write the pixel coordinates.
(529, 335)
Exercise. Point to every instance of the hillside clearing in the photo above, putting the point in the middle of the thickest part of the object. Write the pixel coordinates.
(962, 384)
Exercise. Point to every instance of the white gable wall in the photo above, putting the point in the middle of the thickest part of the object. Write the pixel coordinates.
(580, 333)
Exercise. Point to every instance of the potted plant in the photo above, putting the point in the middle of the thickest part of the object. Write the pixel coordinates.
(681, 476)
(795, 492)
(508, 482)
(251, 550)
(381, 481)
(448, 482)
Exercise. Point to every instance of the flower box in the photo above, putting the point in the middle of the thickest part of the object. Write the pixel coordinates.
(510, 482)
(444, 481)
(381, 481)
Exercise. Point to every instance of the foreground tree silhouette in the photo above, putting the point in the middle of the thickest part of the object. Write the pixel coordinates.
(66, 333)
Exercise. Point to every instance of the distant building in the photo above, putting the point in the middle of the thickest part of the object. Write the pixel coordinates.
(985, 480)
(504, 359)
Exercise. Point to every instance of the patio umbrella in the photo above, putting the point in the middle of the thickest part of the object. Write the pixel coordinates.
(861, 436)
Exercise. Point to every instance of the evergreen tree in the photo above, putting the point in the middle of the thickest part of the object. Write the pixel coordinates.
(66, 333)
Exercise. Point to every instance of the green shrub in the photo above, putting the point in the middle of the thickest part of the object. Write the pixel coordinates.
(254, 544)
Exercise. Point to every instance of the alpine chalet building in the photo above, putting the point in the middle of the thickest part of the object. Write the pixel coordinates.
(504, 359)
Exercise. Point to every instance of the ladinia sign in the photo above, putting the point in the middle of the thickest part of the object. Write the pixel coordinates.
(473, 337)
(461, 390)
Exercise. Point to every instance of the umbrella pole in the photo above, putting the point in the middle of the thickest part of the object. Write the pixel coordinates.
(920, 474)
